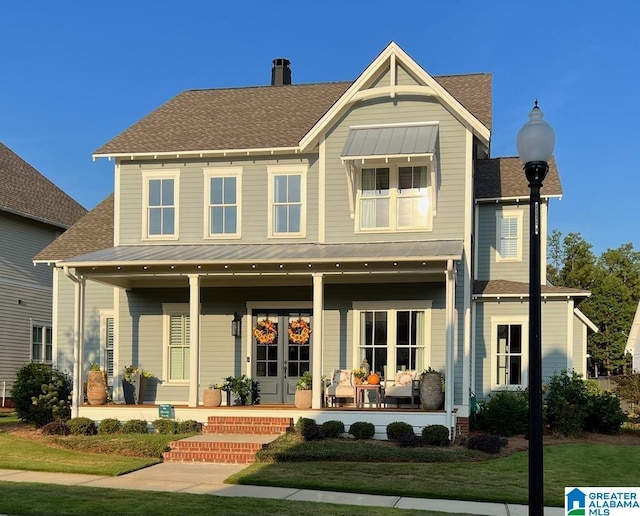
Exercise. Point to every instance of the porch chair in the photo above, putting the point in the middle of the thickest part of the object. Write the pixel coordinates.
(340, 385)
(405, 385)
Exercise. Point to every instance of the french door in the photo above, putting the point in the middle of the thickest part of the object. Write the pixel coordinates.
(281, 351)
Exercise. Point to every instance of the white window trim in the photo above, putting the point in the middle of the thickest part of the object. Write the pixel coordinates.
(43, 324)
(509, 214)
(394, 166)
(392, 308)
(147, 175)
(495, 322)
(104, 315)
(291, 170)
(169, 309)
(209, 173)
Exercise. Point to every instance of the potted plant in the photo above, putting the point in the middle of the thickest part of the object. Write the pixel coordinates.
(239, 389)
(359, 375)
(97, 387)
(134, 384)
(431, 389)
(303, 394)
(212, 397)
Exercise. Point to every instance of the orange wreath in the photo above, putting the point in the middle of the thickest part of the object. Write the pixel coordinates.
(265, 332)
(299, 331)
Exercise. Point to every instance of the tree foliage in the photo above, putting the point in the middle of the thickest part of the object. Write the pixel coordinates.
(614, 281)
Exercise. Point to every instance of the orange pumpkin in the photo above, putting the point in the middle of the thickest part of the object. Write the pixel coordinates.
(373, 379)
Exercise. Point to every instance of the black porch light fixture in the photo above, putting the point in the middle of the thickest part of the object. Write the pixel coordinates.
(236, 325)
(535, 144)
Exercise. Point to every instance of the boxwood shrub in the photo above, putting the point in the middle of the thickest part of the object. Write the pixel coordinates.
(135, 426)
(362, 430)
(435, 435)
(398, 430)
(189, 426)
(332, 429)
(109, 426)
(487, 443)
(82, 426)
(165, 426)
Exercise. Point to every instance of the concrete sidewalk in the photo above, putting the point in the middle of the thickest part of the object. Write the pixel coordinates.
(209, 478)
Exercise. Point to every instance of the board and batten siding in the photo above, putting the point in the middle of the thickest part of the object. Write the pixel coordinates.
(97, 297)
(450, 159)
(488, 265)
(193, 207)
(554, 338)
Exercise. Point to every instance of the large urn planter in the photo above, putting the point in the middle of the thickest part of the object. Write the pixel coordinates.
(212, 397)
(134, 389)
(97, 388)
(431, 395)
(303, 399)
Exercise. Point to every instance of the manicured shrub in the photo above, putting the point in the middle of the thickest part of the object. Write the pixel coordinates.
(566, 401)
(362, 430)
(109, 426)
(82, 426)
(487, 443)
(135, 426)
(312, 433)
(604, 415)
(332, 429)
(504, 413)
(189, 426)
(399, 429)
(435, 435)
(408, 441)
(165, 426)
(302, 423)
(56, 428)
(41, 394)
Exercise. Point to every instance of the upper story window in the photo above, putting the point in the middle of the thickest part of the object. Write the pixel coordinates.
(223, 192)
(509, 235)
(287, 201)
(395, 198)
(41, 342)
(160, 204)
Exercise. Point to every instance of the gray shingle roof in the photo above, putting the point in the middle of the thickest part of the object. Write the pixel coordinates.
(504, 178)
(92, 232)
(514, 288)
(260, 117)
(26, 192)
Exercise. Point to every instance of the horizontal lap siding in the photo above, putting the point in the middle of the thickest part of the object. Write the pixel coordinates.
(449, 221)
(579, 346)
(192, 208)
(488, 266)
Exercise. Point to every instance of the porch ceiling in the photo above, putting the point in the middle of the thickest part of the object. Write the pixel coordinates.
(387, 260)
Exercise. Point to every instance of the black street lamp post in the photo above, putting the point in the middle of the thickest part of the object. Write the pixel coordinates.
(536, 140)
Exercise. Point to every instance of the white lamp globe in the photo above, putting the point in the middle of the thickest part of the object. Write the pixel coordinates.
(536, 139)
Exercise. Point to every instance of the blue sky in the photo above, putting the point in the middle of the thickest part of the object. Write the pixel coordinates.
(77, 73)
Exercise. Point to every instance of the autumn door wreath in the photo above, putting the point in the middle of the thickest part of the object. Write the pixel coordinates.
(299, 331)
(265, 332)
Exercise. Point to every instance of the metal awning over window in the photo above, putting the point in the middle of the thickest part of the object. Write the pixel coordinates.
(370, 142)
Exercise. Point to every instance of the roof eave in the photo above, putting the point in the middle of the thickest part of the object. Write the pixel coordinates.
(35, 217)
(198, 153)
(516, 198)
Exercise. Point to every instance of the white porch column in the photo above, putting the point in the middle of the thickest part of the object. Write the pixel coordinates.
(316, 357)
(450, 334)
(194, 339)
(78, 340)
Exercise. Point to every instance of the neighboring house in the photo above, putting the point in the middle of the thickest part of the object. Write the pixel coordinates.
(370, 209)
(33, 212)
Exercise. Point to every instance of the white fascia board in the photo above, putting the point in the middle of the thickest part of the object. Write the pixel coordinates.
(585, 320)
(513, 199)
(559, 295)
(200, 153)
(391, 53)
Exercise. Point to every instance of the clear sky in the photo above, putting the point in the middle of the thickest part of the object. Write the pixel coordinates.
(73, 74)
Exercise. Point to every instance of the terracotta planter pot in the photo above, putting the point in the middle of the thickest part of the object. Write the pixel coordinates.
(431, 395)
(96, 388)
(212, 397)
(302, 399)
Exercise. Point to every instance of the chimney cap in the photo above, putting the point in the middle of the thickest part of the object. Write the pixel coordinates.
(280, 72)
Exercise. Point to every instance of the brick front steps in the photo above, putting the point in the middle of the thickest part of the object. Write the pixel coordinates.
(228, 440)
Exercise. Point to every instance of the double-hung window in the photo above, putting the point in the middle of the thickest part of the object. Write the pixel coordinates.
(509, 342)
(223, 201)
(177, 342)
(395, 198)
(509, 235)
(287, 194)
(41, 342)
(160, 204)
(392, 335)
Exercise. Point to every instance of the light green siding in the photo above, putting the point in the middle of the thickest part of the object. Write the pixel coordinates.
(489, 268)
(449, 220)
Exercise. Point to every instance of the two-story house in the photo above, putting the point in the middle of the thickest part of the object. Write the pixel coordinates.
(370, 209)
(33, 212)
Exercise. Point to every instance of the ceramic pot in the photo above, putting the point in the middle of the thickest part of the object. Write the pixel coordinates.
(96, 388)
(431, 395)
(212, 397)
(302, 399)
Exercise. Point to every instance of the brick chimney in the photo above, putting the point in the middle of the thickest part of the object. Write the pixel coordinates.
(280, 73)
